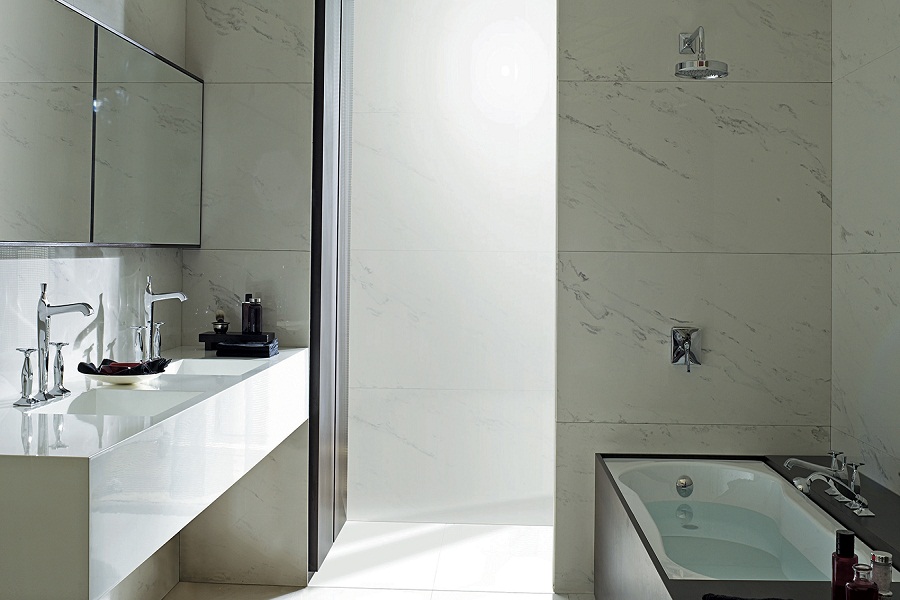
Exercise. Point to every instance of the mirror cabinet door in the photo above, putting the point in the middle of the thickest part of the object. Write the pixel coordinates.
(148, 145)
(46, 81)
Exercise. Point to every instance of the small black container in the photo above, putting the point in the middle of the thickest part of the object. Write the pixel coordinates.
(251, 315)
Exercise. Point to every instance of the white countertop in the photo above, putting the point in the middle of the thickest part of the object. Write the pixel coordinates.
(113, 488)
(85, 435)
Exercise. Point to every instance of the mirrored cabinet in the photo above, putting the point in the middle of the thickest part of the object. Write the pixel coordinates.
(100, 139)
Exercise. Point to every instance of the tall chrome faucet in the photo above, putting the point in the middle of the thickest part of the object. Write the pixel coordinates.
(147, 344)
(44, 311)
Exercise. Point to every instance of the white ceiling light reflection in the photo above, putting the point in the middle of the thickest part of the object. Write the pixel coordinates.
(510, 70)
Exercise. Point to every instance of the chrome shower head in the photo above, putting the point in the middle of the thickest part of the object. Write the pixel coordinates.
(700, 68)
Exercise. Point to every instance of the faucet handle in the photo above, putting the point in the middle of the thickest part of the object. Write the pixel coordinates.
(156, 343)
(854, 476)
(838, 460)
(27, 379)
(139, 331)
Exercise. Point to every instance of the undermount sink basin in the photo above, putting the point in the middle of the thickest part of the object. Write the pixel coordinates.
(116, 401)
(214, 366)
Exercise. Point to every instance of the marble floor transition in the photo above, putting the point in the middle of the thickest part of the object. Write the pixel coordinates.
(417, 561)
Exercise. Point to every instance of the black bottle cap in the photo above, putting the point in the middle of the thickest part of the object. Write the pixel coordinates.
(845, 542)
(247, 297)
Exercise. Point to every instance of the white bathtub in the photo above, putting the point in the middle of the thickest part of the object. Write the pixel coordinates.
(742, 521)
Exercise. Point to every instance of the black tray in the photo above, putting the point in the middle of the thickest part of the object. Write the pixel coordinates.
(212, 339)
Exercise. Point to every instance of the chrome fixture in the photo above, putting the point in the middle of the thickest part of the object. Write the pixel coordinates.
(44, 312)
(684, 486)
(27, 379)
(149, 323)
(842, 479)
(685, 346)
(700, 68)
(156, 342)
(58, 371)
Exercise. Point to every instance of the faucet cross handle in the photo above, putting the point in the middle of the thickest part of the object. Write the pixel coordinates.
(58, 371)
(838, 461)
(27, 380)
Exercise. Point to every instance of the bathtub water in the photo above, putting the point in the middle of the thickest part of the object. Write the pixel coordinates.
(742, 521)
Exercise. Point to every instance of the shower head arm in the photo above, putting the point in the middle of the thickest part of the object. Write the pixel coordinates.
(687, 43)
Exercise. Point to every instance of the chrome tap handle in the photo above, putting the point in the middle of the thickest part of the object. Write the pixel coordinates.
(854, 476)
(139, 332)
(687, 353)
(156, 345)
(58, 371)
(27, 379)
(839, 463)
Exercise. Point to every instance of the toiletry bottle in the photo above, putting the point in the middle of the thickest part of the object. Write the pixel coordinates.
(882, 572)
(251, 314)
(842, 562)
(862, 587)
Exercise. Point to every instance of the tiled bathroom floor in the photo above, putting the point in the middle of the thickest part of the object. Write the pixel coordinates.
(417, 561)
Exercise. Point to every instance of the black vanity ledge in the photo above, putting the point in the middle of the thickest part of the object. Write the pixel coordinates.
(694, 589)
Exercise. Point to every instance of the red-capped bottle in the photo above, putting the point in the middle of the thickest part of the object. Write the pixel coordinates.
(842, 561)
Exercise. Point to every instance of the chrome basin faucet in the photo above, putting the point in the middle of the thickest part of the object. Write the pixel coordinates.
(147, 344)
(44, 311)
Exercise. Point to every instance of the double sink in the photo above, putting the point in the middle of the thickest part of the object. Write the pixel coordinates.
(183, 380)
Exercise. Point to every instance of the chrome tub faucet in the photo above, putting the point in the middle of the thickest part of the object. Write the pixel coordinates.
(841, 473)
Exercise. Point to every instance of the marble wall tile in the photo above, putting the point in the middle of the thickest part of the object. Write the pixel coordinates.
(257, 167)
(111, 280)
(219, 279)
(765, 322)
(451, 320)
(256, 532)
(436, 56)
(456, 456)
(866, 305)
(712, 168)
(45, 42)
(766, 40)
(452, 182)
(153, 579)
(158, 25)
(576, 444)
(866, 216)
(234, 41)
(864, 30)
(45, 141)
(879, 465)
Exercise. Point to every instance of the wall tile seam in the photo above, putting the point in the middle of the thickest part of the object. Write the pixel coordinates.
(869, 445)
(691, 424)
(868, 253)
(244, 250)
(701, 252)
(446, 389)
(728, 81)
(864, 65)
(452, 251)
(216, 83)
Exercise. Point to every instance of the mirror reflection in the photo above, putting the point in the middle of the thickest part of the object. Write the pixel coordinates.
(46, 81)
(148, 148)
(143, 150)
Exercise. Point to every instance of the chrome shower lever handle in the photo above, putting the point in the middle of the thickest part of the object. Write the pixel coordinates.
(685, 346)
(687, 354)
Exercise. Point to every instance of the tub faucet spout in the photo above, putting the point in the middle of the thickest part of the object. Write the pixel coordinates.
(835, 470)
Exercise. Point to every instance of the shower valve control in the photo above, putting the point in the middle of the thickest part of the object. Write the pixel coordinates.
(685, 348)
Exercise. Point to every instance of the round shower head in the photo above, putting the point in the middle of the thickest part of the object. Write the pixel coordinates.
(701, 69)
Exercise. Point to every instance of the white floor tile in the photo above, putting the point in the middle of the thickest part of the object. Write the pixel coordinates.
(209, 591)
(383, 556)
(444, 595)
(496, 558)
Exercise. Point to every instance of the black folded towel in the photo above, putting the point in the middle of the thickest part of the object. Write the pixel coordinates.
(111, 367)
(248, 349)
(720, 597)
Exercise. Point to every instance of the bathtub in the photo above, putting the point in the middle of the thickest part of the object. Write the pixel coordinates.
(742, 525)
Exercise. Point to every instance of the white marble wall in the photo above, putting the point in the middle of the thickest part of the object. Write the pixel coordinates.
(866, 269)
(256, 61)
(706, 203)
(452, 253)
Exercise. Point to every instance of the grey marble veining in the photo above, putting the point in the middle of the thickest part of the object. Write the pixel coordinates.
(765, 323)
(257, 167)
(451, 320)
(215, 279)
(866, 215)
(764, 40)
(503, 473)
(251, 40)
(864, 30)
(576, 444)
(677, 167)
(866, 314)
